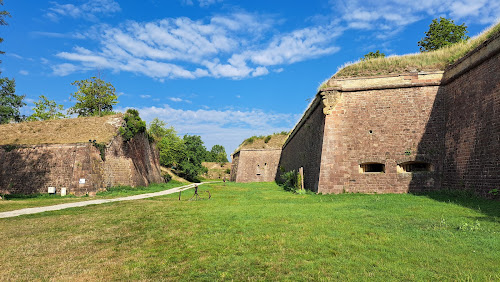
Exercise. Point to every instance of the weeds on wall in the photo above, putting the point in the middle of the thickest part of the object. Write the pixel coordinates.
(101, 147)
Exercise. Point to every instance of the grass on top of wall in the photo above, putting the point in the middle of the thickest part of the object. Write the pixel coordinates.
(257, 231)
(425, 61)
(15, 202)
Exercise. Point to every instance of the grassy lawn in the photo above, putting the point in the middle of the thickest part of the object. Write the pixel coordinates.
(15, 202)
(259, 232)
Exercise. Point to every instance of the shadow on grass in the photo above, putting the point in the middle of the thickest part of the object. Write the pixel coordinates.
(488, 207)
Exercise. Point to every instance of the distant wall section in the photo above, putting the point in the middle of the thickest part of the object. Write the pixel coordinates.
(255, 165)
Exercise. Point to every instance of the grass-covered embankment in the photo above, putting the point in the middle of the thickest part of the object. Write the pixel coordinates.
(257, 231)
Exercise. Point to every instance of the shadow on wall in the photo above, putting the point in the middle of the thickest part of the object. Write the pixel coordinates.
(430, 149)
(305, 150)
(18, 168)
(470, 112)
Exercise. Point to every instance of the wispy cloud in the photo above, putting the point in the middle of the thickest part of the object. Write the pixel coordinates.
(386, 16)
(236, 46)
(177, 99)
(145, 96)
(202, 3)
(74, 35)
(226, 127)
(23, 72)
(89, 10)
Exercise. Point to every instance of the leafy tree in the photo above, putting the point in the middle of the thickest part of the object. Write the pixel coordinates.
(3, 14)
(94, 96)
(170, 145)
(373, 55)
(134, 124)
(46, 109)
(195, 153)
(9, 101)
(218, 154)
(442, 33)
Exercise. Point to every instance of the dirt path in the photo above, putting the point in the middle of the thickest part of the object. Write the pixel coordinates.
(95, 202)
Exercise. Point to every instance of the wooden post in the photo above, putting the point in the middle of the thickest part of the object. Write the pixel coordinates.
(301, 172)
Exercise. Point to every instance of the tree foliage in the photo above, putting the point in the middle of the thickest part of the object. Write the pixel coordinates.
(373, 55)
(194, 154)
(95, 97)
(3, 15)
(9, 101)
(46, 109)
(217, 154)
(133, 125)
(442, 33)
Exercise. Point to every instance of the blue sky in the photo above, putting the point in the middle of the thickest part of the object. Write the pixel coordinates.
(225, 70)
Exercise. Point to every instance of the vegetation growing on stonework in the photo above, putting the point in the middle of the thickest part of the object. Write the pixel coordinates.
(133, 125)
(373, 55)
(425, 61)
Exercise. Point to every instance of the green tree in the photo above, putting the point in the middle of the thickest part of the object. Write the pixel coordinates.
(46, 109)
(218, 154)
(95, 97)
(9, 101)
(442, 33)
(195, 154)
(133, 124)
(170, 145)
(373, 55)
(3, 15)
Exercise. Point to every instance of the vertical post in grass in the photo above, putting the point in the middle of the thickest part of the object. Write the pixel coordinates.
(301, 172)
(180, 191)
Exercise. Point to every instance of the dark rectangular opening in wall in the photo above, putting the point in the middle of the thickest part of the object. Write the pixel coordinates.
(371, 167)
(414, 167)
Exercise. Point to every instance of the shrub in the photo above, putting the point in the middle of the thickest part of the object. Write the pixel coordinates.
(291, 181)
(268, 137)
(167, 177)
(228, 171)
(134, 125)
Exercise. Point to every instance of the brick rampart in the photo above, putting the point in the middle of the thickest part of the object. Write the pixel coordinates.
(30, 169)
(472, 151)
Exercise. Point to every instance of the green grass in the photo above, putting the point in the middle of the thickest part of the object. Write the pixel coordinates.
(426, 61)
(15, 202)
(259, 232)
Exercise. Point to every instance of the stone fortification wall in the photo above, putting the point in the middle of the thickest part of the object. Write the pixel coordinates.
(32, 168)
(378, 120)
(304, 147)
(379, 124)
(472, 154)
(255, 165)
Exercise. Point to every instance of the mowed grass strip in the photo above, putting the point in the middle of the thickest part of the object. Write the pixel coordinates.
(259, 232)
(16, 202)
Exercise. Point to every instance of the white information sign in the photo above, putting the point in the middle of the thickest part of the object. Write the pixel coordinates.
(82, 180)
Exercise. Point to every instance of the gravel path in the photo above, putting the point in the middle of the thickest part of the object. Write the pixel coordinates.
(95, 202)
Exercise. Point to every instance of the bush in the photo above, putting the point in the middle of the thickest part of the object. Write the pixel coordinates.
(167, 177)
(291, 181)
(266, 140)
(134, 125)
(228, 171)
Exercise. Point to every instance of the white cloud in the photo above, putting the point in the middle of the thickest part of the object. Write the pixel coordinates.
(226, 127)
(145, 96)
(236, 46)
(23, 72)
(202, 3)
(64, 69)
(386, 15)
(88, 10)
(177, 99)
